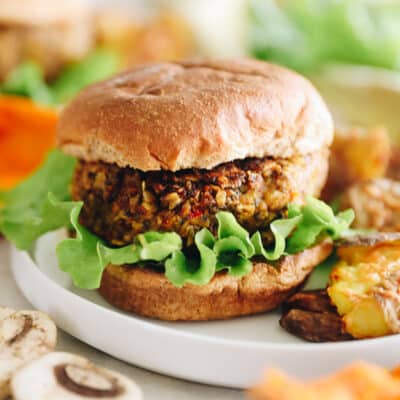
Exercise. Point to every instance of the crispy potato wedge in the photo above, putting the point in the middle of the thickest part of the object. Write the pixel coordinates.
(357, 155)
(359, 381)
(364, 286)
(168, 36)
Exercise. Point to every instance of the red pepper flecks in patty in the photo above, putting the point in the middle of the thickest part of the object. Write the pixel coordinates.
(120, 203)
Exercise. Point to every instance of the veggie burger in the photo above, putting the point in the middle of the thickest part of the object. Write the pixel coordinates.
(189, 189)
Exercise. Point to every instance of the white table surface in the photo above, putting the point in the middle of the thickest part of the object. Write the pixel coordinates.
(154, 386)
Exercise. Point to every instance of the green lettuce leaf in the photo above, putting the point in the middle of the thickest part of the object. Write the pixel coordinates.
(281, 229)
(42, 203)
(156, 246)
(181, 269)
(29, 210)
(232, 255)
(80, 256)
(233, 248)
(228, 227)
(85, 256)
(316, 219)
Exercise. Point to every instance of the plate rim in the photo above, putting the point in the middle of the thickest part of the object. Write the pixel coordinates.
(230, 343)
(247, 343)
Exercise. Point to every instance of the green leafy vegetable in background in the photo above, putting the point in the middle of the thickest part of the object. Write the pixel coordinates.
(27, 79)
(42, 203)
(97, 66)
(305, 34)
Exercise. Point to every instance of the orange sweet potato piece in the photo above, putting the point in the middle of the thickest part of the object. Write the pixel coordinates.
(27, 132)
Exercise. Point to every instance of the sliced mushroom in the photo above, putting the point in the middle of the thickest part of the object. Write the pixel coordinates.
(311, 316)
(309, 300)
(24, 336)
(4, 388)
(315, 326)
(65, 376)
(369, 239)
(5, 312)
(376, 204)
(394, 165)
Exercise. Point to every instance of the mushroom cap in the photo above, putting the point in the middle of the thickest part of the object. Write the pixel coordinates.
(65, 376)
(24, 336)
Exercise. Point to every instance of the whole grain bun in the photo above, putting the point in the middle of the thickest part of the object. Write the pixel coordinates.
(148, 293)
(196, 114)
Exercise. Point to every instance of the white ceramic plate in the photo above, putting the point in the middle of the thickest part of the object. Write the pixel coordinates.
(229, 353)
(361, 95)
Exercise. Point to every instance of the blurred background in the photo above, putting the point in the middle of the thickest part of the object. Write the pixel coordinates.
(49, 50)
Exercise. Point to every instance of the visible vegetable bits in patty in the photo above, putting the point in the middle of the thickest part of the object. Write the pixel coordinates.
(120, 203)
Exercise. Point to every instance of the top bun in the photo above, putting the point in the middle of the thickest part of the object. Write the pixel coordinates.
(195, 114)
(41, 12)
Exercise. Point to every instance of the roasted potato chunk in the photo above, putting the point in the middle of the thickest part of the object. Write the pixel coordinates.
(364, 286)
(357, 155)
(376, 204)
(166, 37)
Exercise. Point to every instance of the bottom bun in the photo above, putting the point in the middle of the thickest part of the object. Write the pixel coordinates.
(149, 293)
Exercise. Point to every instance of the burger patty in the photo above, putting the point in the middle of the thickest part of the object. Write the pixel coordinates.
(120, 203)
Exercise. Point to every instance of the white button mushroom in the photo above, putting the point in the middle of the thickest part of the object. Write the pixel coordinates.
(64, 376)
(24, 336)
(5, 312)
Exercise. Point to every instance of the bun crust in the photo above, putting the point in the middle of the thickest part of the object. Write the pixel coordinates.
(148, 293)
(196, 114)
